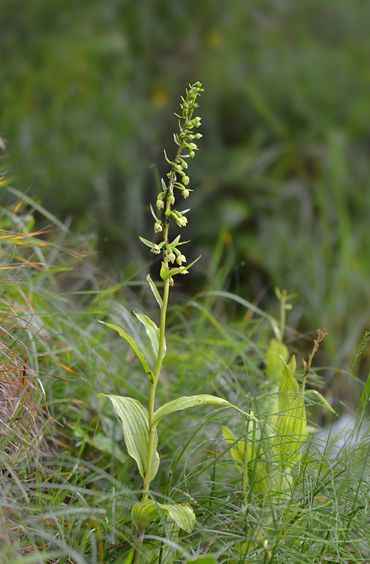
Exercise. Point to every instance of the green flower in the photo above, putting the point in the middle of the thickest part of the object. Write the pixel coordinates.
(180, 259)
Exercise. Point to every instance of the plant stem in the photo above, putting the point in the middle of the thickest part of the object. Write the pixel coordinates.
(245, 477)
(153, 387)
(152, 428)
(283, 299)
(164, 201)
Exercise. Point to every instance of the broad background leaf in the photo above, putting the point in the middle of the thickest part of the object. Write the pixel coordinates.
(274, 366)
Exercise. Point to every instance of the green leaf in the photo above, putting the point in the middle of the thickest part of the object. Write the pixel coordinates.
(288, 384)
(167, 159)
(135, 424)
(191, 401)
(144, 513)
(323, 400)
(291, 421)
(262, 480)
(153, 333)
(291, 432)
(237, 451)
(164, 272)
(154, 289)
(147, 243)
(182, 514)
(147, 511)
(274, 366)
(130, 556)
(204, 559)
(364, 399)
(194, 261)
(131, 342)
(102, 443)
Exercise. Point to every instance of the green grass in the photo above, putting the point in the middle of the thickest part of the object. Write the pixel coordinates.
(284, 165)
(67, 484)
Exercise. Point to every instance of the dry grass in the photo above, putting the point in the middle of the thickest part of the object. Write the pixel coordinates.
(24, 416)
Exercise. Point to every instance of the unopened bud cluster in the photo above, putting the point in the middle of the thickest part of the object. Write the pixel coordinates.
(178, 182)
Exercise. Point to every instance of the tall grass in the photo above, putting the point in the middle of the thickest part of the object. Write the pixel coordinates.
(67, 484)
(286, 158)
(53, 501)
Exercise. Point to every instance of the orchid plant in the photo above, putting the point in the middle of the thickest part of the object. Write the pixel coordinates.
(140, 423)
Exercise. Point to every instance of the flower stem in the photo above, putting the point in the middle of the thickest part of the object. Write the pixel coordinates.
(153, 386)
(166, 199)
(152, 428)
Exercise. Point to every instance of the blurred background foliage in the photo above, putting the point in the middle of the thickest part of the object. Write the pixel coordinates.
(88, 91)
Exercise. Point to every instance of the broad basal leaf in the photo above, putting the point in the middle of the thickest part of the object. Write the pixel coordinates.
(153, 333)
(191, 401)
(274, 365)
(257, 469)
(135, 424)
(288, 385)
(291, 432)
(182, 514)
(131, 342)
(237, 451)
(145, 512)
(263, 480)
(291, 420)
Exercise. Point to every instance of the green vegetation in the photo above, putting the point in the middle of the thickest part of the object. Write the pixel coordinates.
(251, 484)
(87, 88)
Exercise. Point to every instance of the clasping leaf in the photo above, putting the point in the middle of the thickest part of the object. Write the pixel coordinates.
(135, 424)
(191, 401)
(153, 333)
(145, 512)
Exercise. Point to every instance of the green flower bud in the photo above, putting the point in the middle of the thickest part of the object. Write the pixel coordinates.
(192, 154)
(185, 193)
(158, 227)
(160, 204)
(185, 180)
(171, 256)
